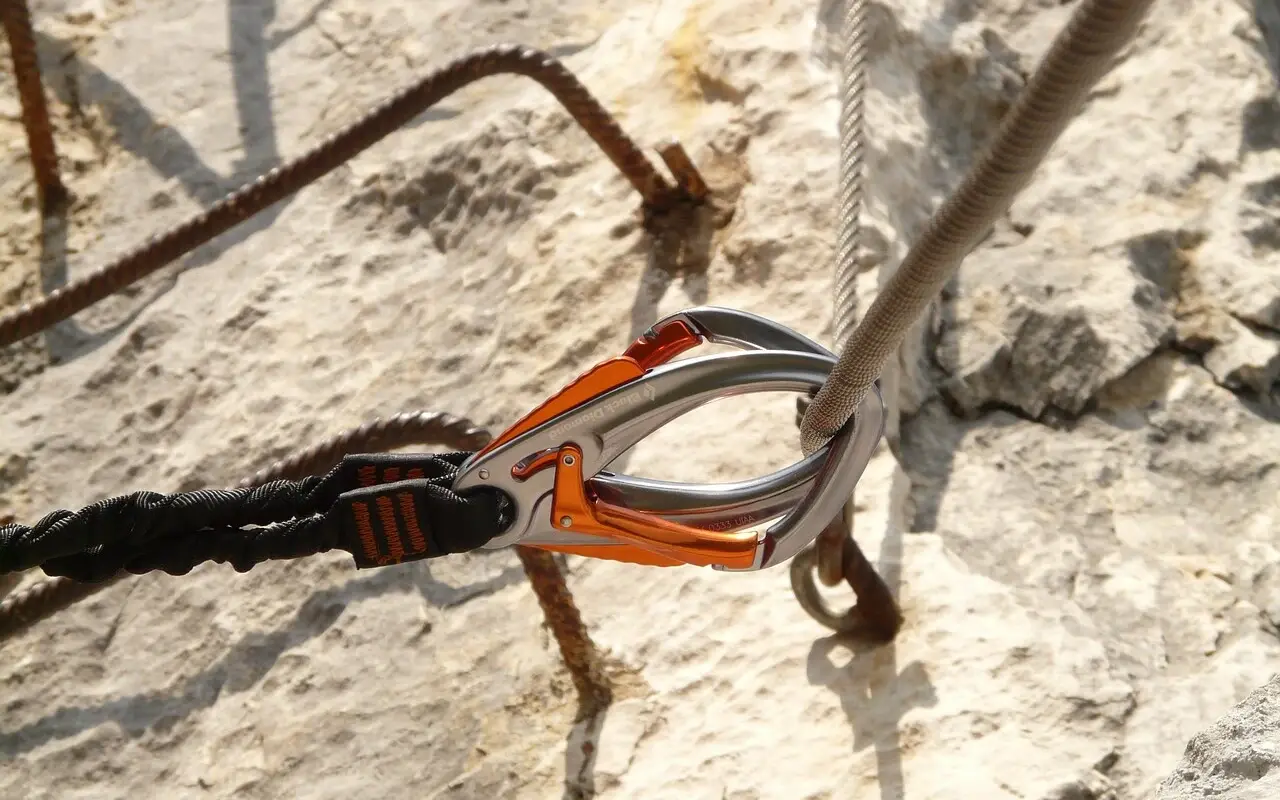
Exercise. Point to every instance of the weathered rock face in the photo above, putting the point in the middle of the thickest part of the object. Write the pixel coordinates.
(1237, 758)
(1081, 526)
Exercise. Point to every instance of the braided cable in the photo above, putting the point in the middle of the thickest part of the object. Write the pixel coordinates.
(1080, 55)
(135, 519)
(853, 37)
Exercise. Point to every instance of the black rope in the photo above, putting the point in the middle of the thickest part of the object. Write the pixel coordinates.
(242, 548)
(383, 509)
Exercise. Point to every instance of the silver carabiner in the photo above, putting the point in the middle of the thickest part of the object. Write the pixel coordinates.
(656, 522)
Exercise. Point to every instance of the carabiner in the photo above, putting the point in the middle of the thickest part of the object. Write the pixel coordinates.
(723, 506)
(550, 462)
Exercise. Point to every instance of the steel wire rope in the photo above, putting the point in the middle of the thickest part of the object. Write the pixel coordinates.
(1080, 55)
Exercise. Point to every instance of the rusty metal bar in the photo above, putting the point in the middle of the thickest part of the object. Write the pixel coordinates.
(16, 18)
(874, 617)
(576, 648)
(337, 149)
(688, 179)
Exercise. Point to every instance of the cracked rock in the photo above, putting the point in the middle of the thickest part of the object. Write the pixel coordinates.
(1237, 757)
(1258, 574)
(1246, 360)
(1031, 330)
(1077, 599)
(1240, 266)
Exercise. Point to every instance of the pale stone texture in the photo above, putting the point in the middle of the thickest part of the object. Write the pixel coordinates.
(1081, 526)
(1236, 758)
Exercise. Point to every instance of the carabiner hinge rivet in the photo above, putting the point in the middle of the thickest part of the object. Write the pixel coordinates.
(484, 474)
(568, 461)
(566, 521)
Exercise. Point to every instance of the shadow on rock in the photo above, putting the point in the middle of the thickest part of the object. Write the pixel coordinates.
(874, 696)
(169, 154)
(248, 660)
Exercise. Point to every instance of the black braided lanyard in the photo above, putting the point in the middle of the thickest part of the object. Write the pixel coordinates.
(382, 509)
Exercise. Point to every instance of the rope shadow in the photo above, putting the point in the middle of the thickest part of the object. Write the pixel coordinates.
(250, 659)
(874, 697)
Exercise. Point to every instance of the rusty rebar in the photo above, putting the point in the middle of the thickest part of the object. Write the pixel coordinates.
(375, 436)
(874, 617)
(16, 18)
(47, 597)
(830, 546)
(335, 150)
(688, 179)
(43, 599)
(576, 648)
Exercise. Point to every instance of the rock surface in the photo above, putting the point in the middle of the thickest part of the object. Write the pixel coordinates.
(1237, 758)
(1081, 526)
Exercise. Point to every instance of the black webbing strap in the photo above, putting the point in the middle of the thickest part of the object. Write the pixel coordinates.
(382, 508)
(405, 511)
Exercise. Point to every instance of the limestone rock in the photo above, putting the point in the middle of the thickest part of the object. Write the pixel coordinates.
(1081, 526)
(1246, 360)
(1237, 758)
(1032, 330)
